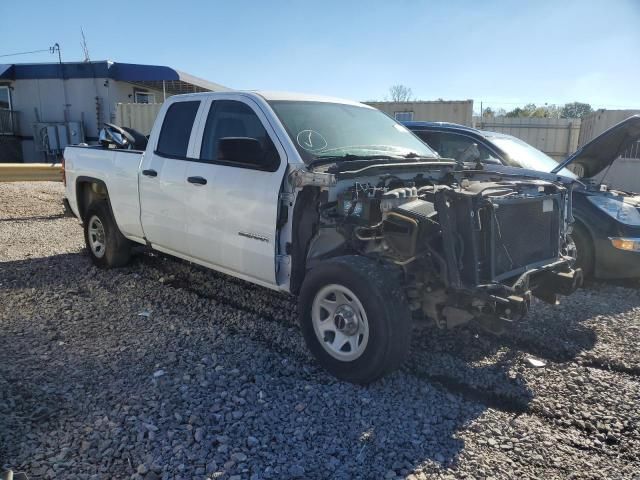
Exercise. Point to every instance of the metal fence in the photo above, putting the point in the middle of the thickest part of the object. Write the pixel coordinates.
(453, 111)
(557, 137)
(139, 116)
(597, 122)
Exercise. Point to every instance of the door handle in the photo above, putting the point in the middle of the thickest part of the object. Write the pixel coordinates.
(150, 173)
(197, 180)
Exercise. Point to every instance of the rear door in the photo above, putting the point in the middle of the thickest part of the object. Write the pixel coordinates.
(231, 219)
(162, 179)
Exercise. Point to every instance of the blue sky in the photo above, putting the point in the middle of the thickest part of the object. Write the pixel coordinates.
(503, 53)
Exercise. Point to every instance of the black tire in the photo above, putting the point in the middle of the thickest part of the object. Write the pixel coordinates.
(584, 250)
(378, 289)
(117, 249)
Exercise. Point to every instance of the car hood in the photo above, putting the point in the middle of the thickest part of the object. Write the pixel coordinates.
(527, 173)
(600, 152)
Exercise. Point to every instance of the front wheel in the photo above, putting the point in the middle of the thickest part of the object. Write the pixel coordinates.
(355, 318)
(584, 249)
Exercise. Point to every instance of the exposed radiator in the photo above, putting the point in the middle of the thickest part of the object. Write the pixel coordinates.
(524, 231)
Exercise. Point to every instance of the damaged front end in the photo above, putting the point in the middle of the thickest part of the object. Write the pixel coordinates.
(473, 245)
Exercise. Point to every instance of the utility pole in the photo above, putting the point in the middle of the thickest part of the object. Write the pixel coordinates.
(52, 50)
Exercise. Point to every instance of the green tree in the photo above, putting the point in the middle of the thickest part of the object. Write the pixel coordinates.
(516, 112)
(575, 110)
(531, 110)
(488, 113)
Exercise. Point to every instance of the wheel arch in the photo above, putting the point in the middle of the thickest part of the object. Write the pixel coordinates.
(584, 226)
(88, 190)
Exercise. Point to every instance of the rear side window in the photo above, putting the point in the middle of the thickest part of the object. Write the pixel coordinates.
(430, 138)
(233, 119)
(176, 129)
(465, 149)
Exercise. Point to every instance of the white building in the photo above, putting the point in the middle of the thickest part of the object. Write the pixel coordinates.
(45, 106)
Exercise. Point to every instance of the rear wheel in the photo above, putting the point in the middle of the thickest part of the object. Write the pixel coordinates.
(584, 249)
(106, 245)
(355, 318)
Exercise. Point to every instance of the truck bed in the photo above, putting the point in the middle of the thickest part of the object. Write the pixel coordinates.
(118, 170)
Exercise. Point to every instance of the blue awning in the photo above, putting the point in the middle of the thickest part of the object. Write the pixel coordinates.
(157, 77)
(132, 72)
(6, 71)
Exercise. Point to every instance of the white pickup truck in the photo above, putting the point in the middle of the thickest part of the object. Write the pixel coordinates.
(335, 202)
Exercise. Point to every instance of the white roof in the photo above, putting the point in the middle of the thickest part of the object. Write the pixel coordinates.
(305, 97)
(285, 96)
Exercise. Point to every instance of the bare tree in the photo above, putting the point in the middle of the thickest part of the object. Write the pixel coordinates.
(400, 93)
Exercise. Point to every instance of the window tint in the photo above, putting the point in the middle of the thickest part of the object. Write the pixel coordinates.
(464, 149)
(430, 138)
(176, 129)
(232, 119)
(404, 116)
(145, 97)
(5, 100)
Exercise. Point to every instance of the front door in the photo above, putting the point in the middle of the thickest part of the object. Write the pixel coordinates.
(232, 208)
(162, 180)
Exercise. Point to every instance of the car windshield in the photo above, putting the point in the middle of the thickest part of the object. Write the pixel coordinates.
(322, 130)
(524, 155)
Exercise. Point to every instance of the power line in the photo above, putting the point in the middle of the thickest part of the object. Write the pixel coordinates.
(26, 53)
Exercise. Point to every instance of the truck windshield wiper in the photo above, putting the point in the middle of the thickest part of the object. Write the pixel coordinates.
(350, 157)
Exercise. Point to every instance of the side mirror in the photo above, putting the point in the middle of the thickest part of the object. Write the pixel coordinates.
(240, 150)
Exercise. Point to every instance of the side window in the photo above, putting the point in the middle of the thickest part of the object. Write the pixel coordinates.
(229, 119)
(176, 129)
(430, 138)
(465, 149)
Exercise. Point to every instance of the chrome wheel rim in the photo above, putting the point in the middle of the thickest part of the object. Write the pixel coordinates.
(97, 241)
(340, 322)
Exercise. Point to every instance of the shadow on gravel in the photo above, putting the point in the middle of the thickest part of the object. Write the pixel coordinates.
(83, 377)
(33, 218)
(560, 333)
(235, 379)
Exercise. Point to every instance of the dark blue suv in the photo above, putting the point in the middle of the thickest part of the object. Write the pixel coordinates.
(607, 227)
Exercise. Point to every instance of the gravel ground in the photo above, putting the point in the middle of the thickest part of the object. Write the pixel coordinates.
(165, 370)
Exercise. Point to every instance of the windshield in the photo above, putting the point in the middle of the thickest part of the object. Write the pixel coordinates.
(524, 155)
(329, 130)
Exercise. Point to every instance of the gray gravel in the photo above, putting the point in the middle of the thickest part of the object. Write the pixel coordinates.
(165, 370)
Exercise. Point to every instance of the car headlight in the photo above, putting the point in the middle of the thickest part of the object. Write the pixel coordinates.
(623, 212)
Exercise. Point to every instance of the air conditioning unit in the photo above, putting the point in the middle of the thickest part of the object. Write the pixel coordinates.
(53, 137)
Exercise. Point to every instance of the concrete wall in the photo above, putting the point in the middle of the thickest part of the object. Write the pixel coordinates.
(48, 97)
(455, 111)
(557, 137)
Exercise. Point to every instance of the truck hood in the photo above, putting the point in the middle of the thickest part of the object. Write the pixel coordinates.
(600, 152)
